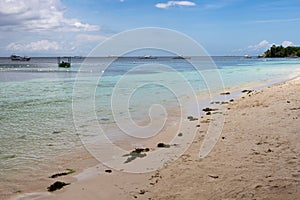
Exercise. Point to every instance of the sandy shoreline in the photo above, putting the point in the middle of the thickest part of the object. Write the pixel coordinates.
(256, 157)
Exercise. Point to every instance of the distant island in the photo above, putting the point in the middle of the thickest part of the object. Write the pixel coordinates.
(280, 52)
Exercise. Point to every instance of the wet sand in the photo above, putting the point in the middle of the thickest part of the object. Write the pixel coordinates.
(257, 156)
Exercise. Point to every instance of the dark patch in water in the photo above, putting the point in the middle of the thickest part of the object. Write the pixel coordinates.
(137, 153)
(56, 132)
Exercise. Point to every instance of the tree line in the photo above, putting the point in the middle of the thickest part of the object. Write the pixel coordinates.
(280, 51)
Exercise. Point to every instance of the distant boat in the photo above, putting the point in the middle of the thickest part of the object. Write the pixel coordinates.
(64, 62)
(293, 56)
(19, 58)
(261, 56)
(78, 57)
(247, 56)
(148, 57)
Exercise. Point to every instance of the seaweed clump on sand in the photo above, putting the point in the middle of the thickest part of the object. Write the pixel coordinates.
(137, 153)
(57, 185)
(209, 109)
(247, 91)
(69, 171)
(163, 145)
(191, 118)
(225, 93)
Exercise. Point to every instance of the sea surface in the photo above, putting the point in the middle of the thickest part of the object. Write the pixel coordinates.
(42, 106)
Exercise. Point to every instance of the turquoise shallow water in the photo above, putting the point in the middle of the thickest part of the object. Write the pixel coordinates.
(36, 98)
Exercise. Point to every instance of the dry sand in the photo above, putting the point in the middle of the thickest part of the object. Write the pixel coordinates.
(256, 157)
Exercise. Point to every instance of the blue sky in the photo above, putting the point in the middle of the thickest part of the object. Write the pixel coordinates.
(75, 27)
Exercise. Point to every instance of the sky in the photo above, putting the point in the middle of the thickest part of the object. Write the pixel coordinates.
(76, 27)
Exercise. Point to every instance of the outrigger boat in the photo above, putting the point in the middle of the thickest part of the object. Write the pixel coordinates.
(64, 62)
(19, 58)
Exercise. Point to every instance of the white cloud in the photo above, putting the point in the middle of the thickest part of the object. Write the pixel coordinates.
(36, 15)
(264, 45)
(41, 45)
(260, 46)
(174, 3)
(89, 38)
(287, 43)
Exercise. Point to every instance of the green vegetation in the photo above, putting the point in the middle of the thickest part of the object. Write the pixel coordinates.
(280, 51)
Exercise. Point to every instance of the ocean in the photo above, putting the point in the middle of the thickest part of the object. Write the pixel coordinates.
(45, 109)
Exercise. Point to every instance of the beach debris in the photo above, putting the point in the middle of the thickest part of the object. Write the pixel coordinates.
(223, 138)
(142, 192)
(205, 121)
(213, 176)
(225, 93)
(295, 108)
(198, 125)
(258, 186)
(247, 91)
(224, 102)
(69, 171)
(191, 118)
(208, 113)
(140, 150)
(57, 186)
(209, 109)
(269, 150)
(56, 132)
(288, 101)
(231, 100)
(136, 153)
(180, 134)
(163, 145)
(155, 178)
(108, 171)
